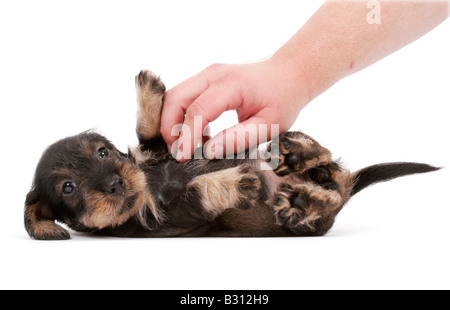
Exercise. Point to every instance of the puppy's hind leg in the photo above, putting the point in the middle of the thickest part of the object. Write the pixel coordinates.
(306, 209)
(150, 93)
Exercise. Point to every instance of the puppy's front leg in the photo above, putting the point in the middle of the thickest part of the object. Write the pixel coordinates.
(237, 187)
(298, 153)
(150, 93)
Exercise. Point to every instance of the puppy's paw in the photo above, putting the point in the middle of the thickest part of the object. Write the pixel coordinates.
(305, 209)
(290, 156)
(146, 81)
(288, 207)
(150, 92)
(297, 153)
(249, 186)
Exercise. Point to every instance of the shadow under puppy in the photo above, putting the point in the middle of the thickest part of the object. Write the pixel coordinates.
(86, 183)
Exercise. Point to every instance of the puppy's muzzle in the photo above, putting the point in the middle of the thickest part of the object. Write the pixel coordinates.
(114, 185)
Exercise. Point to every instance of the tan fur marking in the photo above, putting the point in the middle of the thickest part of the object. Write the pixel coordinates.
(345, 182)
(149, 202)
(137, 181)
(306, 141)
(106, 210)
(310, 218)
(62, 172)
(220, 190)
(323, 159)
(302, 142)
(86, 147)
(141, 156)
(331, 199)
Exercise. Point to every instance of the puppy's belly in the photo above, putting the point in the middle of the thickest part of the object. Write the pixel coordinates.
(273, 180)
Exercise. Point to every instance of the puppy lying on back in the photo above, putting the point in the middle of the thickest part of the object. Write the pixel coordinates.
(86, 183)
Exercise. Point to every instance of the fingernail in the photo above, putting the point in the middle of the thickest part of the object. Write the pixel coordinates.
(218, 154)
(209, 150)
(173, 149)
(179, 156)
(179, 152)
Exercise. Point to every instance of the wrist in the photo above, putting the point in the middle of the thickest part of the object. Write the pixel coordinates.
(297, 73)
(316, 66)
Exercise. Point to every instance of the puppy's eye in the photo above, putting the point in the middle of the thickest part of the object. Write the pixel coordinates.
(68, 188)
(102, 152)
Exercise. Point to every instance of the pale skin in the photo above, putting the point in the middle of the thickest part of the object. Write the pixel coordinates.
(335, 42)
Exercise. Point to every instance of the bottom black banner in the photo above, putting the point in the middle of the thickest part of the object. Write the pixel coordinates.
(202, 298)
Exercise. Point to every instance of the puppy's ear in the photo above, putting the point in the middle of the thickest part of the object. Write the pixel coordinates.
(39, 221)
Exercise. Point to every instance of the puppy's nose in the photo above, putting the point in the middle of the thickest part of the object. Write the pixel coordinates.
(115, 185)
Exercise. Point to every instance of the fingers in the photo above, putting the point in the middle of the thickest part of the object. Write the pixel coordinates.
(178, 99)
(176, 102)
(241, 137)
(200, 100)
(221, 96)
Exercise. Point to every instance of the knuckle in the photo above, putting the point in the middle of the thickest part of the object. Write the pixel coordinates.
(165, 132)
(233, 78)
(214, 68)
(195, 110)
(237, 139)
(241, 141)
(170, 96)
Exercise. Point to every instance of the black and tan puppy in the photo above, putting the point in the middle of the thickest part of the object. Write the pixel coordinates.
(86, 183)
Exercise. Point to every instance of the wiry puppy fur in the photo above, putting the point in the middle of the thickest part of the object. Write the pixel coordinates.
(86, 183)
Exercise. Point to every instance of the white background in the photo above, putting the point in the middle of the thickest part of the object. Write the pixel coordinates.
(67, 66)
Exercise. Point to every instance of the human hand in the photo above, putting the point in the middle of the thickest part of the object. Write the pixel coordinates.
(266, 93)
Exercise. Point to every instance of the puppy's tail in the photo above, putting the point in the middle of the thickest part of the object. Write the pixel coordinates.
(386, 172)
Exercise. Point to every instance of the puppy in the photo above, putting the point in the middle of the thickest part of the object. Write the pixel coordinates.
(86, 183)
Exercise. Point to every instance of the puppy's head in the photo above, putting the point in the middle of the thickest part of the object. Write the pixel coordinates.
(84, 182)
